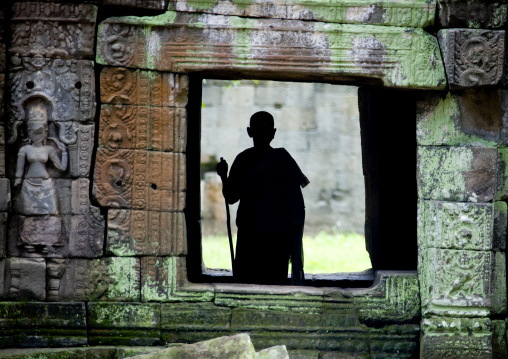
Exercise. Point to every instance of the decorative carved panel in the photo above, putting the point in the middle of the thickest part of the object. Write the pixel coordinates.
(456, 282)
(451, 225)
(145, 88)
(472, 57)
(99, 279)
(146, 180)
(414, 13)
(53, 30)
(446, 337)
(146, 233)
(142, 128)
(57, 236)
(188, 42)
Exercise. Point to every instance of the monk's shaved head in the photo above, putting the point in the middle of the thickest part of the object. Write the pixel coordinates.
(262, 119)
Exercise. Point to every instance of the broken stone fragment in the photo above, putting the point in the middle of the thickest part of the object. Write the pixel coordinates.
(234, 347)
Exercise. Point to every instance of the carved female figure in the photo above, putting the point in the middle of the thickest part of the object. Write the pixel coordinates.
(37, 195)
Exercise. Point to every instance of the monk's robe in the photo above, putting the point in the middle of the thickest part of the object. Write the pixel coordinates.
(270, 216)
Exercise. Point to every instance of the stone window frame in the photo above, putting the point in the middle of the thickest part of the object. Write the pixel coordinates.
(169, 278)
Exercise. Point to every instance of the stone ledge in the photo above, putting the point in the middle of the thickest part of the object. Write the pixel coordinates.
(414, 13)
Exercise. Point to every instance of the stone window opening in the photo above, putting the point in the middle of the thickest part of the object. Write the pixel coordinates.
(378, 242)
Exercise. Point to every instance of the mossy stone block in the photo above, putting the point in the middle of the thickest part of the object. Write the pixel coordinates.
(456, 173)
(195, 316)
(113, 323)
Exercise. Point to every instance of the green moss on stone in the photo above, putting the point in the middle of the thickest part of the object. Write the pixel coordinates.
(440, 172)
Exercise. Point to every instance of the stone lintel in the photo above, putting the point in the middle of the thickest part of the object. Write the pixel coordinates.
(413, 13)
(178, 42)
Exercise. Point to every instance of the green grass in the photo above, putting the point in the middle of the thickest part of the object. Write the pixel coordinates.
(324, 252)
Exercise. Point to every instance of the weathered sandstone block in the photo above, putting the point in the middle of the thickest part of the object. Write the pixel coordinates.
(140, 179)
(164, 279)
(3, 235)
(57, 236)
(146, 233)
(5, 194)
(25, 279)
(53, 30)
(121, 85)
(392, 298)
(456, 173)
(461, 282)
(472, 57)
(123, 323)
(113, 278)
(195, 317)
(445, 337)
(143, 128)
(485, 14)
(142, 4)
(233, 347)
(51, 324)
(399, 57)
(473, 117)
(414, 13)
(452, 225)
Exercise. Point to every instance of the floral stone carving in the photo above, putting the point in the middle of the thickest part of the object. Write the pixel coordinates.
(53, 30)
(120, 85)
(136, 179)
(472, 57)
(136, 127)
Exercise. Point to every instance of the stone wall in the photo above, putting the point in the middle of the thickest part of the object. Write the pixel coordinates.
(100, 203)
(317, 123)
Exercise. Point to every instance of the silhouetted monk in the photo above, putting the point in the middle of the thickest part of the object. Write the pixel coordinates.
(271, 213)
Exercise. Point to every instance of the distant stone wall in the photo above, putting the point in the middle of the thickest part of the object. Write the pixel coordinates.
(317, 123)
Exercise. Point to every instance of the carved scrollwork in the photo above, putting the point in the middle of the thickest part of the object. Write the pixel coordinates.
(472, 57)
(118, 45)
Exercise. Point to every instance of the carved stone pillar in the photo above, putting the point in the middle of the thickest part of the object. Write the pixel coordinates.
(50, 134)
(5, 194)
(462, 223)
(140, 170)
